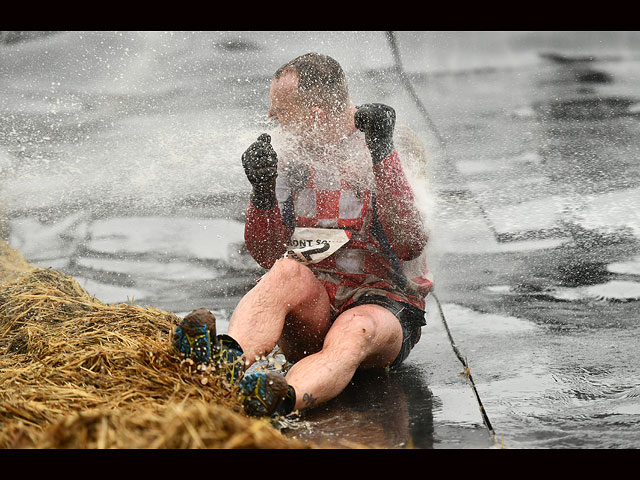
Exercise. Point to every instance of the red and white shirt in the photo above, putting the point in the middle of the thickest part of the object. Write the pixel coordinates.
(384, 246)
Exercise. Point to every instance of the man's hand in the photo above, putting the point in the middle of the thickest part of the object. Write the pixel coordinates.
(260, 163)
(377, 121)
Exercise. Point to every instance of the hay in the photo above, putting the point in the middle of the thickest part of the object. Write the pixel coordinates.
(12, 264)
(77, 373)
(192, 425)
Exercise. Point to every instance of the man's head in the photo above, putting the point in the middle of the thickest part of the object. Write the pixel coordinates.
(310, 93)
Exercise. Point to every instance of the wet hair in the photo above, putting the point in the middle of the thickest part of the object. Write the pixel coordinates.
(321, 80)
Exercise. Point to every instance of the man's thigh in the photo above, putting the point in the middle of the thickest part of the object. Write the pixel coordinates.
(307, 324)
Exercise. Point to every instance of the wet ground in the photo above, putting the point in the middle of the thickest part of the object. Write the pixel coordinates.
(535, 245)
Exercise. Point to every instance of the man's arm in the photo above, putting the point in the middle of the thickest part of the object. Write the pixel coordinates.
(265, 235)
(397, 209)
(395, 202)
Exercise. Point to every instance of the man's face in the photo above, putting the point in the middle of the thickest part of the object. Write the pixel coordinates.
(286, 107)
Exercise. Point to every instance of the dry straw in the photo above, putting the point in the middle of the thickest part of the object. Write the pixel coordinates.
(77, 373)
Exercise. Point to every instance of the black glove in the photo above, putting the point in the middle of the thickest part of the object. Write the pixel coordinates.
(260, 163)
(298, 175)
(377, 121)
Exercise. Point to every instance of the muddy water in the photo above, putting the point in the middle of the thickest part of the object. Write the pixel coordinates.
(535, 240)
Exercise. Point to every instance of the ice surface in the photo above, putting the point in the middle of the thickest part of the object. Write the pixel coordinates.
(612, 211)
(620, 290)
(110, 294)
(171, 271)
(39, 240)
(467, 321)
(479, 166)
(167, 237)
(631, 267)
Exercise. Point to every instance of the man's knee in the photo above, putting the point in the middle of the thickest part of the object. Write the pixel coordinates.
(291, 273)
(356, 327)
(372, 340)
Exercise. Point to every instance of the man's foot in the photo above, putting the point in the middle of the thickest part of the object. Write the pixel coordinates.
(229, 358)
(195, 338)
(265, 394)
(192, 337)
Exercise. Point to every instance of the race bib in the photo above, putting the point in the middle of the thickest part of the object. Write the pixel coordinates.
(312, 245)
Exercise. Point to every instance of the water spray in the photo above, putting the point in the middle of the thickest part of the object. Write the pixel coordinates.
(400, 71)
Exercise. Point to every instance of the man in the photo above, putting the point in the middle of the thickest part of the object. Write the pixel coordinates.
(333, 219)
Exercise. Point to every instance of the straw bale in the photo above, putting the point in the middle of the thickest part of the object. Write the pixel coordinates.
(77, 373)
(12, 263)
(177, 426)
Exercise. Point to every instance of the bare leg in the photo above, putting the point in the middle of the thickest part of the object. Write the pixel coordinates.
(288, 291)
(367, 336)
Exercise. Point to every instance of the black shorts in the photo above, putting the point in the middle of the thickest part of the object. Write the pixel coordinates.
(411, 319)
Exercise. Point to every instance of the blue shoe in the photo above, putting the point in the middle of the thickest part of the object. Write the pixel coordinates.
(192, 337)
(263, 394)
(195, 338)
(229, 357)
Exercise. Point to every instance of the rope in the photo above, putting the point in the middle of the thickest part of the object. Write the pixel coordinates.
(465, 364)
(395, 51)
(400, 71)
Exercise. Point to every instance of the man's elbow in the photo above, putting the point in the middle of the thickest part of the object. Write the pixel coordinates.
(261, 254)
(412, 247)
